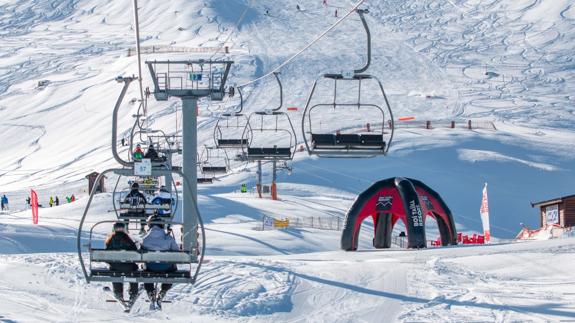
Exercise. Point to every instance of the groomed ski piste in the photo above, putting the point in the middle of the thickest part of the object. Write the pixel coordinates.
(500, 61)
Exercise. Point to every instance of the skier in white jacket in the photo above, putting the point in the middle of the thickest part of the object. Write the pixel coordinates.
(157, 239)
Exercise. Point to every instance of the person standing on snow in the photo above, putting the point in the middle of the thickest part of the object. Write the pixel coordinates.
(51, 202)
(157, 239)
(120, 240)
(4, 202)
(57, 201)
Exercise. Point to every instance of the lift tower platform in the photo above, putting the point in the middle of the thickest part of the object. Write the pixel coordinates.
(189, 80)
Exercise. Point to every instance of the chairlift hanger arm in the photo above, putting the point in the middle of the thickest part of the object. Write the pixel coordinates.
(241, 100)
(361, 13)
(281, 91)
(127, 81)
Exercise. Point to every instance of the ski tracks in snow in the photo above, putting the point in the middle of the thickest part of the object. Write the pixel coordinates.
(463, 290)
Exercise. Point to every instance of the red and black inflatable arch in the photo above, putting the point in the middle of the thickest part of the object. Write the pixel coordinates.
(394, 199)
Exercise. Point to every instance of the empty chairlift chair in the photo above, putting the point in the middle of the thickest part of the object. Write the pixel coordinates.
(272, 135)
(228, 132)
(214, 161)
(344, 127)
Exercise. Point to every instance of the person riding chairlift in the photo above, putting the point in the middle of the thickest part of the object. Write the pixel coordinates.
(152, 154)
(163, 197)
(120, 240)
(157, 239)
(138, 153)
(135, 198)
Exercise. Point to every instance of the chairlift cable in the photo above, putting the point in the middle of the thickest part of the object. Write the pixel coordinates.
(319, 37)
(139, 56)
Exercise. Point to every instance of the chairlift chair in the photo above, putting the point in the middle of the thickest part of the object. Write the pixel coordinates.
(349, 141)
(229, 128)
(98, 258)
(264, 125)
(187, 257)
(214, 161)
(201, 177)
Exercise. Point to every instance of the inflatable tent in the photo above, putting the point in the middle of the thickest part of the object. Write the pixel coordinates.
(394, 199)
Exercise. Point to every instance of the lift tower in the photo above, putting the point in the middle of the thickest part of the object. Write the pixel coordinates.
(189, 80)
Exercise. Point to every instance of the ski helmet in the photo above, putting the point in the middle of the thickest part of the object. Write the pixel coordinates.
(155, 220)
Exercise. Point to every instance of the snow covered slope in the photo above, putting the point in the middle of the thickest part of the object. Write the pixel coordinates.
(294, 276)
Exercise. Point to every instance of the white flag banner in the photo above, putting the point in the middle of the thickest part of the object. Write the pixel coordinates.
(484, 211)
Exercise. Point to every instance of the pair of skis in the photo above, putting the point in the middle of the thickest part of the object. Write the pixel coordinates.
(126, 305)
(155, 305)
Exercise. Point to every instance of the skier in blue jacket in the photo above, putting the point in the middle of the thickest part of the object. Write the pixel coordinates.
(4, 202)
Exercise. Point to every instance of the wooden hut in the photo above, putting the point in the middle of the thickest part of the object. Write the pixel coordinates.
(92, 180)
(558, 211)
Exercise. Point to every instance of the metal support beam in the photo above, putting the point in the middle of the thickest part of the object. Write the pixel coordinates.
(189, 159)
(274, 177)
(259, 183)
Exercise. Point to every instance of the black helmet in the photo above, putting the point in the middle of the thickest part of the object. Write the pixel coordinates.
(119, 226)
(155, 220)
(135, 186)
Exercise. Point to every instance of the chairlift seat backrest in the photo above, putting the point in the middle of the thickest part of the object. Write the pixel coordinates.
(215, 169)
(205, 180)
(372, 140)
(276, 151)
(173, 257)
(323, 139)
(348, 139)
(232, 142)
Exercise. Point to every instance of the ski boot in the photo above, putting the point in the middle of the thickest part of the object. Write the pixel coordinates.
(133, 297)
(153, 302)
(160, 298)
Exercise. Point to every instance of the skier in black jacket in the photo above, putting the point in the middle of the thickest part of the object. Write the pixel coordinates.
(152, 154)
(120, 240)
(136, 198)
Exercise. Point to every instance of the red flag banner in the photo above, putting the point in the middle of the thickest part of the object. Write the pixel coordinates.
(34, 205)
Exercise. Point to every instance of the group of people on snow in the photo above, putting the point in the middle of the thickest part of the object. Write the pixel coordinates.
(157, 238)
(53, 201)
